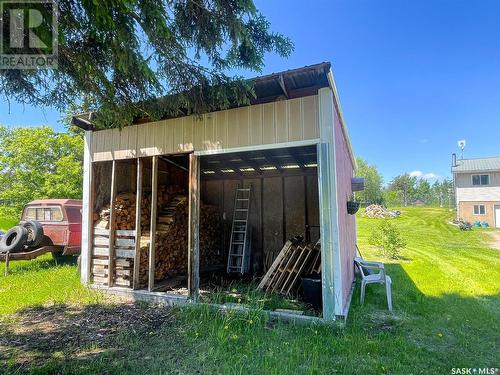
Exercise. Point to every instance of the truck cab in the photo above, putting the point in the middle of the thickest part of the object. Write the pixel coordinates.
(61, 220)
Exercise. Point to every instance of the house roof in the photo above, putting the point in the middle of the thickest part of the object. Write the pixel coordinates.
(477, 165)
(289, 84)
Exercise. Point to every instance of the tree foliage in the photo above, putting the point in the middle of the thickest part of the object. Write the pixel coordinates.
(387, 237)
(119, 56)
(404, 185)
(39, 163)
(373, 192)
(405, 189)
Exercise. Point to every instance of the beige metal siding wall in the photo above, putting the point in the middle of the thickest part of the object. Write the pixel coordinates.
(271, 123)
(466, 192)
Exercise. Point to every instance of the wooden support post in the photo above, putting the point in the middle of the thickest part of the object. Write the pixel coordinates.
(6, 270)
(138, 198)
(194, 228)
(112, 221)
(152, 234)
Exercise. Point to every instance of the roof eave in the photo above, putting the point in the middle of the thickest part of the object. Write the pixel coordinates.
(263, 83)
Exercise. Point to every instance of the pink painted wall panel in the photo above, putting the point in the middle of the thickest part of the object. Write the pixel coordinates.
(347, 223)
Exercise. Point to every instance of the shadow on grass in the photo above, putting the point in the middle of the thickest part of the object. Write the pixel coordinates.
(424, 332)
(70, 339)
(450, 322)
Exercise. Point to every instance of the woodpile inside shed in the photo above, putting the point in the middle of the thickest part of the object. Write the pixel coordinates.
(171, 240)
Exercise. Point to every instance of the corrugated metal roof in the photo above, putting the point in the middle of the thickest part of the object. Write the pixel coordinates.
(477, 165)
(290, 84)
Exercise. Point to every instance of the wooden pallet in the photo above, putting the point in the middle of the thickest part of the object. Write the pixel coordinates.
(124, 252)
(294, 260)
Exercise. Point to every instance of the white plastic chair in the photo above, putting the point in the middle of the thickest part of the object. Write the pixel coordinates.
(370, 275)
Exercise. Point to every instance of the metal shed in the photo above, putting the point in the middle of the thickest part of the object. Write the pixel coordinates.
(291, 142)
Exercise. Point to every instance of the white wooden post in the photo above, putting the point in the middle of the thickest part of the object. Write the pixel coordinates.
(112, 227)
(152, 234)
(138, 196)
(87, 208)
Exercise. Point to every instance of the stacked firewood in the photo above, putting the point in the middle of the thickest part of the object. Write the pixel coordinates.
(171, 240)
(125, 208)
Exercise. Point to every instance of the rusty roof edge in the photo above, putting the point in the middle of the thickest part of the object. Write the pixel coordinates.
(333, 86)
(84, 120)
(325, 66)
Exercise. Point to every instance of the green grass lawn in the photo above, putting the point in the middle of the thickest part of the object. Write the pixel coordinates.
(6, 224)
(446, 296)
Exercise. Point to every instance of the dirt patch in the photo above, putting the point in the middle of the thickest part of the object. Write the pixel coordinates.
(495, 244)
(34, 335)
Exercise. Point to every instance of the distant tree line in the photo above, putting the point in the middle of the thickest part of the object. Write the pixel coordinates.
(402, 190)
(38, 163)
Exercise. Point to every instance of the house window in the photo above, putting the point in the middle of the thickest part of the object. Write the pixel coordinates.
(480, 179)
(479, 209)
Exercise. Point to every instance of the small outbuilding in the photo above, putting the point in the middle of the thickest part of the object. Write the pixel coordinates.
(290, 151)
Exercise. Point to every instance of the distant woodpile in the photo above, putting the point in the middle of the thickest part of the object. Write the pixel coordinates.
(379, 212)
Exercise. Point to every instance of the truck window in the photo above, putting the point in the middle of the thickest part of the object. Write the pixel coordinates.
(43, 213)
(30, 213)
(56, 214)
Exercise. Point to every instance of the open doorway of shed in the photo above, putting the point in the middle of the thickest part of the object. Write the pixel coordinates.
(284, 203)
(164, 222)
(151, 192)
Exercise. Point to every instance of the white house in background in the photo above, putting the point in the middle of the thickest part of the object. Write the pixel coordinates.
(477, 189)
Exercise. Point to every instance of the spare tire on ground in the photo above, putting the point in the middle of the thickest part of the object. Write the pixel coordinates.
(14, 240)
(35, 233)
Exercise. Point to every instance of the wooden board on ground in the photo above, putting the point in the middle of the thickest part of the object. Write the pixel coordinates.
(297, 258)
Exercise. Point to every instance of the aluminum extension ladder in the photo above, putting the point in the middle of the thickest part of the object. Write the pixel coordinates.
(240, 242)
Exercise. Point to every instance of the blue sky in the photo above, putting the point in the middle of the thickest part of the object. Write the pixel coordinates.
(414, 77)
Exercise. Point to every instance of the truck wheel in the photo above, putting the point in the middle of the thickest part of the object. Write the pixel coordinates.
(35, 233)
(14, 240)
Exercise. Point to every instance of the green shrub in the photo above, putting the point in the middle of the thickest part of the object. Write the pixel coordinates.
(388, 239)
